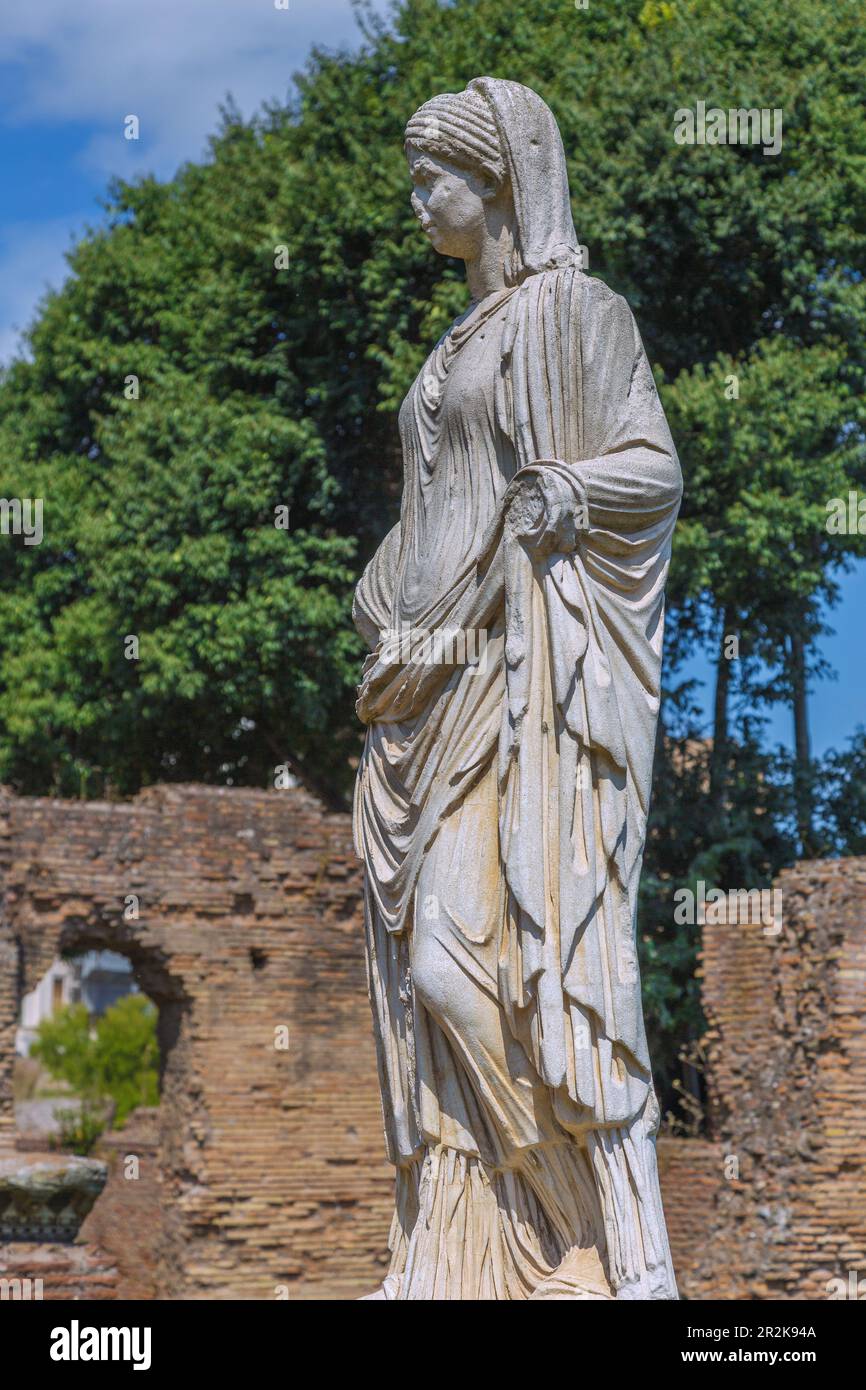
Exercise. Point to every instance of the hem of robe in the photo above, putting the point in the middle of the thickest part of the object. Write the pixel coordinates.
(549, 1227)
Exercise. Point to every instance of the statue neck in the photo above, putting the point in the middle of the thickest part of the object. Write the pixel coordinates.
(487, 273)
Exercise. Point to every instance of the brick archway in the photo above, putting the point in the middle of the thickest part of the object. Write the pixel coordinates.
(271, 1162)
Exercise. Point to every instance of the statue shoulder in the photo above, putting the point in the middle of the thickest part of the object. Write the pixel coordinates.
(599, 299)
(595, 297)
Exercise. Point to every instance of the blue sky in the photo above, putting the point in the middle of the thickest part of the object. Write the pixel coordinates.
(837, 706)
(72, 70)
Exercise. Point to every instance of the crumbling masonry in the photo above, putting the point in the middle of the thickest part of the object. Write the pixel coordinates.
(262, 1174)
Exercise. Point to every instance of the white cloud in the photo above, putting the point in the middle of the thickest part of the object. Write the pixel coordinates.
(170, 62)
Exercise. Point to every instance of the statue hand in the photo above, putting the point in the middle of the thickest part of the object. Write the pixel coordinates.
(542, 515)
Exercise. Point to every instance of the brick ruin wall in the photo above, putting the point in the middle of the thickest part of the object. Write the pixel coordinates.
(262, 1172)
(125, 1222)
(787, 1077)
(268, 1162)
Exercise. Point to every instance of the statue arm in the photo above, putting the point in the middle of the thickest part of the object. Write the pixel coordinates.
(625, 475)
(629, 464)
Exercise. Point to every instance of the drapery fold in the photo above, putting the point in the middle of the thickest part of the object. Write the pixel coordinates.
(541, 755)
(571, 710)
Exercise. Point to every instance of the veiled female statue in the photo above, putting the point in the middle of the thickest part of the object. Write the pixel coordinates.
(501, 800)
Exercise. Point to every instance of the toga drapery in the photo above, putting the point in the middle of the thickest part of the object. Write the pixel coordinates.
(501, 803)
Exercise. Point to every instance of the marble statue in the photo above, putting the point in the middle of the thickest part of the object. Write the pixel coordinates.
(501, 799)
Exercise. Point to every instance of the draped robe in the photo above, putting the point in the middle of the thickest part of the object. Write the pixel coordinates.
(501, 803)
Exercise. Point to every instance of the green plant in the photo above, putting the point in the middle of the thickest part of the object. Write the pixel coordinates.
(79, 1128)
(114, 1059)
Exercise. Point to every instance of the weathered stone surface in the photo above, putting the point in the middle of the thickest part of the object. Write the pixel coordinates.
(502, 794)
(55, 1271)
(268, 1168)
(47, 1199)
(125, 1223)
(787, 1075)
(38, 1120)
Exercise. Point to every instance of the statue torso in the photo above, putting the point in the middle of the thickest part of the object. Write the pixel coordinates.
(457, 462)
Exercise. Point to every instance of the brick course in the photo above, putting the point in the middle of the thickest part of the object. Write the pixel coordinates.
(270, 1163)
(263, 1170)
(787, 1076)
(68, 1272)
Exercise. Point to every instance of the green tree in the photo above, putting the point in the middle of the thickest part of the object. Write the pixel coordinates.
(116, 1058)
(768, 441)
(64, 1045)
(127, 1055)
(841, 799)
(274, 302)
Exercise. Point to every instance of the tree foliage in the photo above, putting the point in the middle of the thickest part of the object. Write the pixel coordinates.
(275, 301)
(262, 386)
(116, 1058)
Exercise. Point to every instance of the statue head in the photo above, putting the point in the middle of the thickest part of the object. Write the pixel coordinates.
(486, 159)
(460, 189)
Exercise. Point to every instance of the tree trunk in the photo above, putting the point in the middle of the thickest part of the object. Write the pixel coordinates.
(802, 750)
(719, 759)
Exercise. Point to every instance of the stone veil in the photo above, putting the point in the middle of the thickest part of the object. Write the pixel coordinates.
(501, 802)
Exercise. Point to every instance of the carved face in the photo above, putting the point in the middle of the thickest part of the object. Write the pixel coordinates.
(450, 203)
